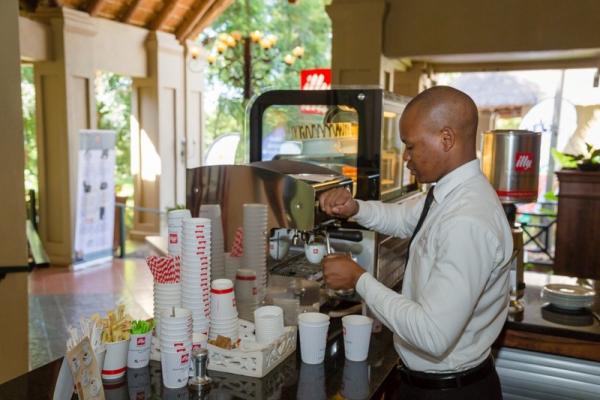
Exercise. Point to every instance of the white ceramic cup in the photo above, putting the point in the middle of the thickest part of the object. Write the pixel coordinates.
(357, 335)
(313, 329)
(315, 252)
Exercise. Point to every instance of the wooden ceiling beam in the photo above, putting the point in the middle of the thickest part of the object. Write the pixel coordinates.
(192, 17)
(217, 9)
(94, 7)
(133, 6)
(158, 23)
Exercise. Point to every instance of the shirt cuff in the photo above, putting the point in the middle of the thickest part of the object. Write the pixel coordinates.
(363, 283)
(363, 212)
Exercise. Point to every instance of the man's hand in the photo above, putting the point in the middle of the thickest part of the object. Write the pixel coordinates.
(340, 271)
(338, 203)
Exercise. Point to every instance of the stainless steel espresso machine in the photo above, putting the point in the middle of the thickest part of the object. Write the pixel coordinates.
(355, 134)
(303, 143)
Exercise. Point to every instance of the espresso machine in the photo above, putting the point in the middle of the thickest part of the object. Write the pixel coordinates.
(510, 160)
(353, 133)
(303, 143)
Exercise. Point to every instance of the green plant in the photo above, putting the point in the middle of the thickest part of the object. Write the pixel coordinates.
(140, 327)
(590, 160)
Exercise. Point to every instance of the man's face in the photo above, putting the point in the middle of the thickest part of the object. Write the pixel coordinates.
(423, 154)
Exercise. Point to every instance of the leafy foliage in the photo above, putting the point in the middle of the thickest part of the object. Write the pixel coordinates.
(139, 327)
(588, 160)
(113, 106)
(29, 130)
(304, 23)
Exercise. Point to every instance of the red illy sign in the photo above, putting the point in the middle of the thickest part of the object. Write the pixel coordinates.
(523, 161)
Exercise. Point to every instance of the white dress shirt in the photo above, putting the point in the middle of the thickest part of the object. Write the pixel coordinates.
(455, 292)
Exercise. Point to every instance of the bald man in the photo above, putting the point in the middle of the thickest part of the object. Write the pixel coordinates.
(455, 291)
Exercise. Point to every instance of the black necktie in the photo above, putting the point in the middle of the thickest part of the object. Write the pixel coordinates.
(428, 201)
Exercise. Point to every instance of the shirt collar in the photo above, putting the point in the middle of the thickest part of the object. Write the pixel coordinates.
(454, 178)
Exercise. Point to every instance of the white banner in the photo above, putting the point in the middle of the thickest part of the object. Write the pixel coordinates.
(95, 214)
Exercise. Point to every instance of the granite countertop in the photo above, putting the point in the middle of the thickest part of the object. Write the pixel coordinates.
(336, 377)
(541, 317)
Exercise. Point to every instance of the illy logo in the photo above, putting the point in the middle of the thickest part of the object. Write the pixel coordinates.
(173, 238)
(523, 161)
(185, 358)
(141, 341)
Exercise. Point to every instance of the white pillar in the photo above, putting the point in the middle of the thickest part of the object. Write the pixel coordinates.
(158, 135)
(194, 117)
(65, 104)
(13, 243)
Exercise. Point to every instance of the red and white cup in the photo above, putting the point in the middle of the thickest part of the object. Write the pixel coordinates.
(138, 355)
(115, 361)
(222, 299)
(175, 368)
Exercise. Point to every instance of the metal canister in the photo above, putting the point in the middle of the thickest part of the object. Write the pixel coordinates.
(511, 162)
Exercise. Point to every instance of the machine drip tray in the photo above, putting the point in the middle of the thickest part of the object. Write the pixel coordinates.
(295, 264)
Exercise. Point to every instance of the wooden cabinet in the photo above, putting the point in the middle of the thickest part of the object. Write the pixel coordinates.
(578, 225)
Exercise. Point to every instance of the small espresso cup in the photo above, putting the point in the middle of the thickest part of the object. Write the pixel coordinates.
(315, 251)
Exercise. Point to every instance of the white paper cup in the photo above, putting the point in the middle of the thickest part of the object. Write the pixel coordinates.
(175, 368)
(313, 329)
(115, 361)
(357, 335)
(138, 355)
(100, 356)
(222, 299)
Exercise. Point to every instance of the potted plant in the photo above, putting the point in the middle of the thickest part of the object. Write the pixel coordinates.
(588, 161)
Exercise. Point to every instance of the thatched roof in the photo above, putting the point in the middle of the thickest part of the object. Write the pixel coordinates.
(184, 18)
(497, 90)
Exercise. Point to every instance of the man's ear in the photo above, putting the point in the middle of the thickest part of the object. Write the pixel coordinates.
(448, 138)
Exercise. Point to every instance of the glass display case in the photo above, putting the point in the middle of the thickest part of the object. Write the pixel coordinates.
(353, 132)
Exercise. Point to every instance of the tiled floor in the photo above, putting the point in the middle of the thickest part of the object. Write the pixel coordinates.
(59, 297)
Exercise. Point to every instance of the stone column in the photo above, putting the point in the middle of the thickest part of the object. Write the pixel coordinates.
(13, 248)
(158, 136)
(357, 43)
(65, 104)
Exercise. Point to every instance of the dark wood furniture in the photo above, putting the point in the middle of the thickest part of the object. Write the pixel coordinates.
(578, 225)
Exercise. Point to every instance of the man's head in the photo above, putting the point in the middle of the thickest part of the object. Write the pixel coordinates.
(439, 128)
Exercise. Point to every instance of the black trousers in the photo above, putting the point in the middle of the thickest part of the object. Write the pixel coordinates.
(488, 388)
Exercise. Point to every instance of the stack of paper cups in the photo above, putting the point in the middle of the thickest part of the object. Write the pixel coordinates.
(223, 312)
(195, 271)
(166, 295)
(255, 244)
(246, 293)
(213, 212)
(175, 346)
(268, 323)
(175, 227)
